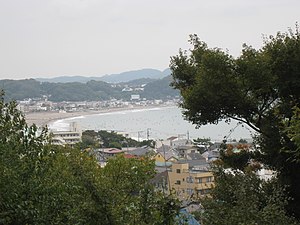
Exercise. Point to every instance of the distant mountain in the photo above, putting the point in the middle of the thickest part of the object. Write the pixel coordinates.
(160, 89)
(89, 91)
(167, 72)
(134, 75)
(112, 78)
(68, 79)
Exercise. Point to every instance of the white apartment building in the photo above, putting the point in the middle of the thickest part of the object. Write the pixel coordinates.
(70, 137)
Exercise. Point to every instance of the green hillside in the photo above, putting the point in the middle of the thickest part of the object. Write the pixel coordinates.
(90, 91)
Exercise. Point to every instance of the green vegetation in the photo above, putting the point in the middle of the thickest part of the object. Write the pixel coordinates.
(45, 184)
(21, 89)
(76, 91)
(260, 88)
(107, 139)
(243, 198)
(159, 89)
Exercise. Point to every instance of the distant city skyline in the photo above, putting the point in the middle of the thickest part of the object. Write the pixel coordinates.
(53, 38)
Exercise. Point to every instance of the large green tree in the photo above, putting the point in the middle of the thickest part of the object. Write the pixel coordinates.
(45, 184)
(243, 198)
(133, 199)
(258, 88)
(41, 183)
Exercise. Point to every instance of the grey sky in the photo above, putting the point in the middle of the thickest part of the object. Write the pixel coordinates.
(48, 38)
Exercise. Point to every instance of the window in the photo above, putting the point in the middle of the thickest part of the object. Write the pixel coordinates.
(190, 179)
(177, 170)
(178, 182)
(200, 192)
(199, 180)
(189, 191)
(208, 179)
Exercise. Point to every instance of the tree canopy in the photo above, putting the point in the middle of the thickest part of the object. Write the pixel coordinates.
(106, 139)
(259, 88)
(45, 184)
(89, 91)
(243, 198)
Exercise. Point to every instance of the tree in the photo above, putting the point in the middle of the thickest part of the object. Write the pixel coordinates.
(41, 183)
(111, 140)
(45, 184)
(258, 88)
(134, 200)
(243, 198)
(293, 129)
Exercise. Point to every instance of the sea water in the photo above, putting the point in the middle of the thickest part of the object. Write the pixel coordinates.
(154, 123)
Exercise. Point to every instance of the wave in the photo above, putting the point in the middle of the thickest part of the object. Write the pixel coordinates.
(59, 125)
(73, 118)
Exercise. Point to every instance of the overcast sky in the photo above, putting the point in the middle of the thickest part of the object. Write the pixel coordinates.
(48, 38)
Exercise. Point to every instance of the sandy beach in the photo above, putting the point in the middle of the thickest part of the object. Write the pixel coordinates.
(44, 118)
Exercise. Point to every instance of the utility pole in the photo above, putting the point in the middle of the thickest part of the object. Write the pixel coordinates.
(148, 133)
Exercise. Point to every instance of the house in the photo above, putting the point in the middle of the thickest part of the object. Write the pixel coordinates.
(190, 180)
(127, 89)
(141, 151)
(162, 157)
(135, 97)
(195, 156)
(211, 155)
(106, 153)
(184, 150)
(178, 141)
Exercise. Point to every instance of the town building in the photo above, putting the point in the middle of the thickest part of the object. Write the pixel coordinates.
(70, 137)
(190, 181)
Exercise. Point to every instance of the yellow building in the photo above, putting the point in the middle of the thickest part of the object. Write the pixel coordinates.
(190, 183)
(165, 157)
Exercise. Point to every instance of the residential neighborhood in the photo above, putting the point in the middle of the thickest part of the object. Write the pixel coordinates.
(45, 105)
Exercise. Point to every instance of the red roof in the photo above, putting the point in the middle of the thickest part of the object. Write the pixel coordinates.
(128, 156)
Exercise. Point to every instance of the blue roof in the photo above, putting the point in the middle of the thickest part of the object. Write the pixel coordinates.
(186, 218)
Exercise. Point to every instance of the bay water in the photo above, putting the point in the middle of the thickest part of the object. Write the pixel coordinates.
(154, 123)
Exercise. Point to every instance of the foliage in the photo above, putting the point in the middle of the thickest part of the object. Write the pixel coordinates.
(115, 145)
(159, 89)
(259, 88)
(39, 182)
(45, 184)
(202, 144)
(244, 198)
(244, 141)
(134, 199)
(20, 89)
(238, 160)
(107, 139)
(89, 91)
(293, 130)
(203, 141)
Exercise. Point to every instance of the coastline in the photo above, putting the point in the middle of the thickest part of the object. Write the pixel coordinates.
(41, 119)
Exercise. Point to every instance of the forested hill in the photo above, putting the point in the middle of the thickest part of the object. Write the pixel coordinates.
(112, 78)
(90, 91)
